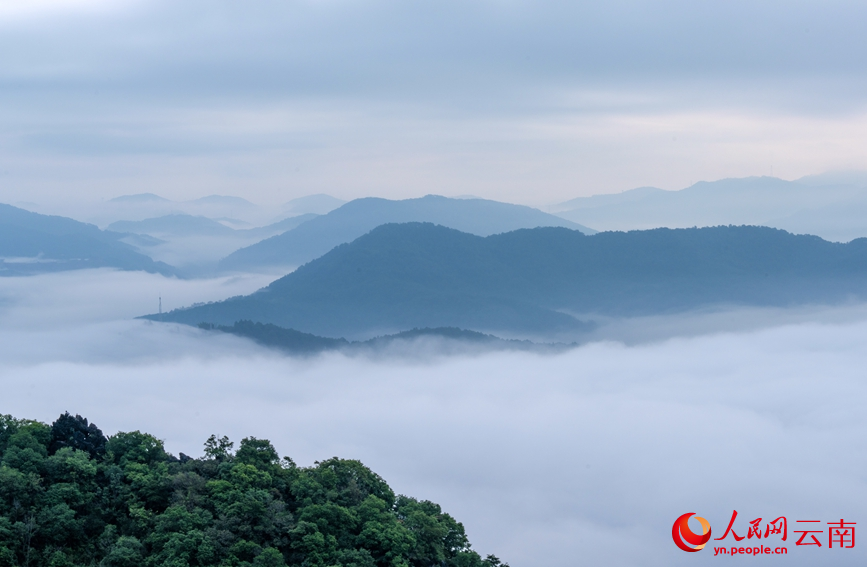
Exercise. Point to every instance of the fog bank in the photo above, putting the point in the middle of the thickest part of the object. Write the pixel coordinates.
(586, 457)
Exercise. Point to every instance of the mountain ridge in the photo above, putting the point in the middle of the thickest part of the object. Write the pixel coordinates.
(299, 343)
(354, 219)
(541, 282)
(835, 209)
(31, 243)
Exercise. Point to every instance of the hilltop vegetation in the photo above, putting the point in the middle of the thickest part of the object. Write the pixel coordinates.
(295, 342)
(70, 496)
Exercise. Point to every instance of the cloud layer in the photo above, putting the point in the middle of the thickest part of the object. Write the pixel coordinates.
(584, 457)
(527, 102)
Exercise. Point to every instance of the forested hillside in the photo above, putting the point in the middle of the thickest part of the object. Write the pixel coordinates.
(70, 496)
(296, 342)
(542, 281)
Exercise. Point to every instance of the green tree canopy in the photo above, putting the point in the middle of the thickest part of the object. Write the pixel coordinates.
(71, 497)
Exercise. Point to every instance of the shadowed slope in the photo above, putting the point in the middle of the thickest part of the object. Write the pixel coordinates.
(33, 243)
(401, 276)
(316, 237)
(443, 339)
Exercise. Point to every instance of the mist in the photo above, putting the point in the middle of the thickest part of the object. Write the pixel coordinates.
(584, 457)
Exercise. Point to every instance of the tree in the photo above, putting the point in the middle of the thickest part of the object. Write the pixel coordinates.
(76, 433)
(135, 447)
(69, 497)
(257, 452)
(219, 449)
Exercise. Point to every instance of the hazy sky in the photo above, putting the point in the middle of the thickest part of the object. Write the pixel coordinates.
(584, 458)
(530, 102)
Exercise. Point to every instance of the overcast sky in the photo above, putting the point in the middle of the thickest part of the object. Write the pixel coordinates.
(530, 102)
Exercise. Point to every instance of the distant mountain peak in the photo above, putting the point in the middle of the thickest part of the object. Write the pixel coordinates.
(176, 223)
(319, 204)
(223, 200)
(359, 216)
(831, 206)
(139, 198)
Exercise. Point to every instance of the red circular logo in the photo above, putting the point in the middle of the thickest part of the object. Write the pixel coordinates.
(684, 537)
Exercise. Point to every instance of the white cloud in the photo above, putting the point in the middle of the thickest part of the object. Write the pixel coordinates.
(581, 458)
(95, 296)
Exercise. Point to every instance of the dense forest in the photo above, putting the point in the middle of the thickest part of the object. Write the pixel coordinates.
(70, 496)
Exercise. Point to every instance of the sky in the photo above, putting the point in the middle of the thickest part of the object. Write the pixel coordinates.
(526, 102)
(581, 458)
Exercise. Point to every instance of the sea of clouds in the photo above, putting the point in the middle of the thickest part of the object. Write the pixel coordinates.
(580, 458)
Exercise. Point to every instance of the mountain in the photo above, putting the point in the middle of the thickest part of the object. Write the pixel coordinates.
(140, 198)
(222, 200)
(830, 206)
(188, 225)
(448, 339)
(215, 206)
(278, 227)
(173, 225)
(319, 204)
(541, 282)
(196, 243)
(318, 236)
(235, 212)
(31, 243)
(145, 206)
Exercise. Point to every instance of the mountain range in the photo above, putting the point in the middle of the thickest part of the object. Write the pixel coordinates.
(195, 244)
(181, 225)
(234, 211)
(443, 339)
(317, 236)
(31, 243)
(148, 205)
(831, 206)
(543, 282)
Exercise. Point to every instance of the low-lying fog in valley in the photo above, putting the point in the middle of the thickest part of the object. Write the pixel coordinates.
(579, 458)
